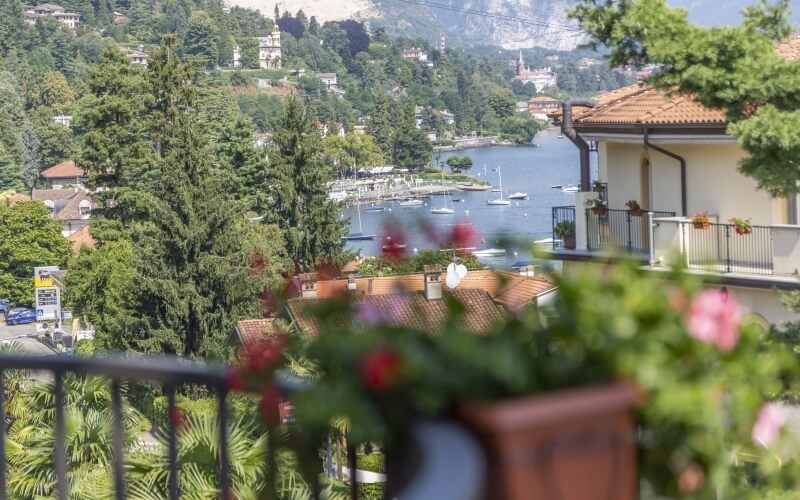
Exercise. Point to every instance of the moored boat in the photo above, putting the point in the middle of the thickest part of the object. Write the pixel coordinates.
(518, 196)
(489, 252)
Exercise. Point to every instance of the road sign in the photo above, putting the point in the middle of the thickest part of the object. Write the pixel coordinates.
(66, 315)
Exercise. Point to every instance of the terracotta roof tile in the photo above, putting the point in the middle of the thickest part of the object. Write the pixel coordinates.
(81, 238)
(64, 169)
(14, 198)
(410, 310)
(790, 49)
(254, 330)
(66, 202)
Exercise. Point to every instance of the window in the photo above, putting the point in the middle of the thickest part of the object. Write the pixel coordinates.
(85, 208)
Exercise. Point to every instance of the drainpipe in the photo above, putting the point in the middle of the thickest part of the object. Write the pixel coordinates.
(568, 129)
(674, 156)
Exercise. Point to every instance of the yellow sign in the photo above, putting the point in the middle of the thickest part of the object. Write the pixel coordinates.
(42, 277)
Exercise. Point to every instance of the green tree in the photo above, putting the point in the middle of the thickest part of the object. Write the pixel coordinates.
(358, 150)
(380, 122)
(10, 173)
(412, 149)
(238, 155)
(200, 38)
(502, 102)
(28, 238)
(200, 265)
(733, 69)
(31, 157)
(520, 128)
(54, 93)
(297, 188)
(459, 163)
(249, 52)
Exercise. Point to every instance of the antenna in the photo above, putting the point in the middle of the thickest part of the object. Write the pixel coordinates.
(455, 273)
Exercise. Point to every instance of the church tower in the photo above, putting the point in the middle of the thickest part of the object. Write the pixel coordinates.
(520, 64)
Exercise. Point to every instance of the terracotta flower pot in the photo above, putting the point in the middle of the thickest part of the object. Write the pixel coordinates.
(701, 225)
(742, 231)
(636, 213)
(600, 210)
(574, 444)
(569, 241)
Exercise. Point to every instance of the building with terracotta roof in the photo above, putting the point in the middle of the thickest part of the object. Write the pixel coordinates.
(69, 19)
(540, 78)
(673, 156)
(73, 207)
(417, 300)
(81, 238)
(254, 330)
(11, 198)
(66, 173)
(542, 107)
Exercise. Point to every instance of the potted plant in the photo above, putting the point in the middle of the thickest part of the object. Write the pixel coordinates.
(552, 396)
(597, 205)
(634, 208)
(566, 231)
(598, 186)
(700, 220)
(742, 226)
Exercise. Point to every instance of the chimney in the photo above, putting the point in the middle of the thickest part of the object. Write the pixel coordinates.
(351, 284)
(433, 286)
(308, 286)
(529, 270)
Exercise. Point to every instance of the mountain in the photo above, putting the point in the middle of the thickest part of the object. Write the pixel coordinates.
(407, 18)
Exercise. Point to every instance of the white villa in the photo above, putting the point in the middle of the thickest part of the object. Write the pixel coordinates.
(672, 155)
(70, 19)
(269, 50)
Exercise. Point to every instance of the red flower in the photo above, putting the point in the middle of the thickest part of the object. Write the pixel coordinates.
(264, 355)
(382, 369)
(464, 235)
(236, 380)
(270, 406)
(393, 243)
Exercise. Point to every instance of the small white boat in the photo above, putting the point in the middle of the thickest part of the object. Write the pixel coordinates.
(474, 187)
(358, 237)
(498, 202)
(560, 136)
(518, 196)
(374, 208)
(546, 241)
(443, 211)
(556, 186)
(570, 189)
(497, 190)
(411, 203)
(490, 252)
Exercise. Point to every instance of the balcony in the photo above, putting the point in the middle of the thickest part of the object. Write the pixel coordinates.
(767, 251)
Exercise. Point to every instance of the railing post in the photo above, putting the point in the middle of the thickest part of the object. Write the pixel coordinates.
(2, 435)
(727, 248)
(553, 225)
(628, 221)
(118, 437)
(61, 438)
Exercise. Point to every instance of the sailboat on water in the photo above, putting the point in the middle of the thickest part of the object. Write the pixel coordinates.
(499, 201)
(444, 210)
(359, 236)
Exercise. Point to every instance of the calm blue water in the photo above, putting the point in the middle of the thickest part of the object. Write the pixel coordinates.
(526, 169)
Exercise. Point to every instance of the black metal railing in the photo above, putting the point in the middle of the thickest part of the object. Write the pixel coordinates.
(719, 248)
(623, 230)
(176, 373)
(563, 216)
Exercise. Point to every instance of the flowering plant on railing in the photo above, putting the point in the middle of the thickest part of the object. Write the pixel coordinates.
(597, 205)
(700, 220)
(703, 371)
(634, 208)
(598, 186)
(741, 226)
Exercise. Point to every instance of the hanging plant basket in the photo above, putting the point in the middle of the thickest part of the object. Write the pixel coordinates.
(701, 225)
(636, 213)
(600, 210)
(741, 231)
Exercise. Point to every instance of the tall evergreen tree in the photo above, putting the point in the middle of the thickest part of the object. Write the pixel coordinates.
(200, 38)
(194, 269)
(31, 157)
(310, 221)
(380, 122)
(10, 173)
(238, 155)
(412, 149)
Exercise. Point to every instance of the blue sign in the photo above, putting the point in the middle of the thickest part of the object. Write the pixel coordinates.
(39, 313)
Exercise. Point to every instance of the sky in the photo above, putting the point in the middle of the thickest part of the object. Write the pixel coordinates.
(724, 12)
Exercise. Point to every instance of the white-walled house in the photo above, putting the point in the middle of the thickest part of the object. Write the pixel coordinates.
(672, 155)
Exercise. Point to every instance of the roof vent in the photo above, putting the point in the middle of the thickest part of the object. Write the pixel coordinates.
(351, 284)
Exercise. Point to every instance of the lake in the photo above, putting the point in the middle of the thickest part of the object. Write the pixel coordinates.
(527, 169)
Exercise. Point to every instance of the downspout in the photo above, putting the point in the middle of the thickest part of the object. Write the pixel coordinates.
(568, 129)
(674, 156)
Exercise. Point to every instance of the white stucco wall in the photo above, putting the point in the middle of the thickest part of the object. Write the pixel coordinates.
(712, 181)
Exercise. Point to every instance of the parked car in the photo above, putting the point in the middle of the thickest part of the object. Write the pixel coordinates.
(22, 318)
(5, 305)
(15, 310)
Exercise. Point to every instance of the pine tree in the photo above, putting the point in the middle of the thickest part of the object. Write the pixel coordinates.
(380, 123)
(10, 173)
(194, 273)
(245, 162)
(115, 145)
(31, 157)
(200, 38)
(310, 221)
(412, 149)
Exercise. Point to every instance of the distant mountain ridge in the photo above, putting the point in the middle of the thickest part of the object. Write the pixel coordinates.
(461, 29)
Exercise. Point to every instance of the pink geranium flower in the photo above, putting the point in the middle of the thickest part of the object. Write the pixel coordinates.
(713, 318)
(771, 419)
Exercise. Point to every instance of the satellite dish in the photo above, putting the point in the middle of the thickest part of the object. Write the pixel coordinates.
(455, 273)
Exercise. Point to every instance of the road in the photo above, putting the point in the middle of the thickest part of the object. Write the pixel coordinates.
(25, 337)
